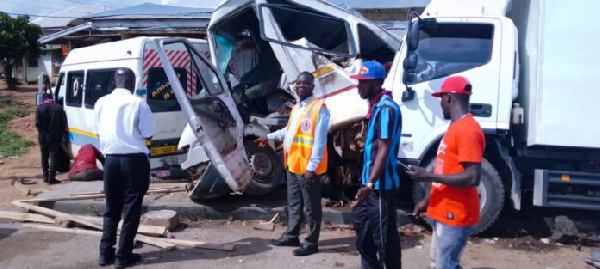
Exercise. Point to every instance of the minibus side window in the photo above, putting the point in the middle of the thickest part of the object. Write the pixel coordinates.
(100, 82)
(74, 88)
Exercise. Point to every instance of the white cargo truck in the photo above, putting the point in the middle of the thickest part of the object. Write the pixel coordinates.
(530, 63)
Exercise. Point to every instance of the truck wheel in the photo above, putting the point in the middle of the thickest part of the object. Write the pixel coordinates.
(266, 166)
(491, 195)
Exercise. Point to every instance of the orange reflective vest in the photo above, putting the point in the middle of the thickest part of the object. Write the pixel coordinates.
(296, 159)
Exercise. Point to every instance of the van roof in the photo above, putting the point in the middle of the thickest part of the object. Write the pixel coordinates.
(119, 50)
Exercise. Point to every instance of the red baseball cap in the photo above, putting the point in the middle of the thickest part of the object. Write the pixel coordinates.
(456, 84)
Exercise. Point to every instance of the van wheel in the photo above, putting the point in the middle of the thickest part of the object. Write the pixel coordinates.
(491, 195)
(266, 166)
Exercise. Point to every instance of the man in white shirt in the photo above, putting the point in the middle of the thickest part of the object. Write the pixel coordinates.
(123, 123)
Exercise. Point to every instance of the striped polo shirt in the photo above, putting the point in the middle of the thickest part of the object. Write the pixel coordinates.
(385, 122)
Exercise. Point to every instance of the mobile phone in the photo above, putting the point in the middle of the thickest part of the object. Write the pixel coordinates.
(403, 166)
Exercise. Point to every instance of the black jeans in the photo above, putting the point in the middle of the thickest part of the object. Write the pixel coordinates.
(377, 232)
(126, 180)
(301, 196)
(49, 154)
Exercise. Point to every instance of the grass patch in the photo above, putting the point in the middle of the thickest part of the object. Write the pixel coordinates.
(11, 144)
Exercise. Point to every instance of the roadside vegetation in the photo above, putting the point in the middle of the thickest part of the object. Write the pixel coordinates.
(11, 144)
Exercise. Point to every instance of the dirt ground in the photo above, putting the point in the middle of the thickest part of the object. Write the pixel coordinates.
(24, 248)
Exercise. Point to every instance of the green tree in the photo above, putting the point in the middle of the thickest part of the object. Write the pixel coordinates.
(18, 38)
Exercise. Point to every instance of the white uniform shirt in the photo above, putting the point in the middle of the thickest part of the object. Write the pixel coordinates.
(123, 122)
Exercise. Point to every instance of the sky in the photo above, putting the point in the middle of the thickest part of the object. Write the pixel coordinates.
(38, 7)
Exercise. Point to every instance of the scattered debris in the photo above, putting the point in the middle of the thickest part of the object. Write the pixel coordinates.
(267, 226)
(165, 218)
(411, 229)
(490, 241)
(420, 247)
(151, 235)
(545, 240)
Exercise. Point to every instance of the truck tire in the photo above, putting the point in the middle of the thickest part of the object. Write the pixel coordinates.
(266, 166)
(491, 193)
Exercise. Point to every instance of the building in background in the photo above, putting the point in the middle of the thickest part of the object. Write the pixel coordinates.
(52, 55)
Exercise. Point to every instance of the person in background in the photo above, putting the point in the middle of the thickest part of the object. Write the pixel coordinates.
(305, 152)
(51, 123)
(453, 203)
(123, 123)
(84, 167)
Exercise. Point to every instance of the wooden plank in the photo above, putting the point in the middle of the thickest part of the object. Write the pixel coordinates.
(139, 237)
(200, 244)
(63, 230)
(20, 216)
(79, 197)
(152, 230)
(91, 224)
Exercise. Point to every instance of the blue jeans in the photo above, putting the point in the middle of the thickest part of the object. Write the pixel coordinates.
(447, 244)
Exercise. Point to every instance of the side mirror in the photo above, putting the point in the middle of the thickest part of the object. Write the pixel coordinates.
(412, 35)
(411, 61)
(408, 95)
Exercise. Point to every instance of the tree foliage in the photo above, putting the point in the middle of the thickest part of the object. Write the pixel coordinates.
(18, 38)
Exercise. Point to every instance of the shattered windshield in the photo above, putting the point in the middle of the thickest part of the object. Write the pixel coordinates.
(446, 49)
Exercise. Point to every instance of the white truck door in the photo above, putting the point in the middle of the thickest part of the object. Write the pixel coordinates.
(212, 114)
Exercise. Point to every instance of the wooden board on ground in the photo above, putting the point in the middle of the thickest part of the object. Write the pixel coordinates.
(200, 244)
(91, 224)
(79, 197)
(152, 230)
(20, 216)
(63, 229)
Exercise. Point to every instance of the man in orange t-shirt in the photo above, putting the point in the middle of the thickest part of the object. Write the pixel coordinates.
(453, 203)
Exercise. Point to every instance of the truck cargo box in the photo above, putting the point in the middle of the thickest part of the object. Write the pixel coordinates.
(560, 63)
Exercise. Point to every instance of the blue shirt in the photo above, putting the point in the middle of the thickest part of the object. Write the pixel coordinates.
(320, 141)
(385, 123)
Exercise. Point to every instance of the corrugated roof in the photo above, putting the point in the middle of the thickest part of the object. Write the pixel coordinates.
(381, 4)
(148, 10)
(355, 4)
(68, 15)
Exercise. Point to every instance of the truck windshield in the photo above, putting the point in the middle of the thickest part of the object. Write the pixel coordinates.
(445, 49)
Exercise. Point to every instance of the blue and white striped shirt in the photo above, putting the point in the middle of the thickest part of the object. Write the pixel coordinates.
(385, 123)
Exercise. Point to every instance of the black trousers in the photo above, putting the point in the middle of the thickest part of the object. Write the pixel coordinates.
(126, 180)
(301, 196)
(49, 154)
(377, 232)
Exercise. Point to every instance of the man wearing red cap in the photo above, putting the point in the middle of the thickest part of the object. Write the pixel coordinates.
(453, 203)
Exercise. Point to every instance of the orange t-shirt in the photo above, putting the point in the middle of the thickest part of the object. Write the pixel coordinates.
(463, 143)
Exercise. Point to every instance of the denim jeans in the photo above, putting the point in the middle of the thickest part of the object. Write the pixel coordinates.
(447, 244)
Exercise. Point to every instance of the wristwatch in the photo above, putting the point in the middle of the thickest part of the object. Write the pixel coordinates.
(370, 185)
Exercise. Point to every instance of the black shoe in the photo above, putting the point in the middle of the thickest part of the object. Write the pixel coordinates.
(129, 261)
(306, 250)
(292, 242)
(53, 181)
(106, 259)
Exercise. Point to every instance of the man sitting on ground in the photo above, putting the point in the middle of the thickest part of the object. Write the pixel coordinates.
(84, 167)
